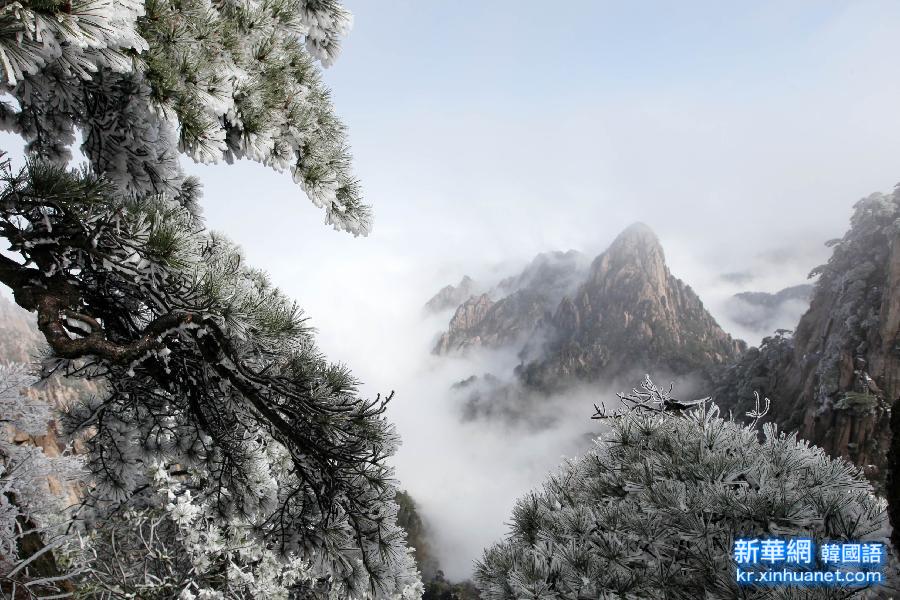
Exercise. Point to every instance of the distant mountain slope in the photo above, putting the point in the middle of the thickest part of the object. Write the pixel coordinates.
(796, 292)
(451, 296)
(834, 379)
(437, 587)
(523, 302)
(763, 312)
(416, 535)
(551, 275)
(21, 342)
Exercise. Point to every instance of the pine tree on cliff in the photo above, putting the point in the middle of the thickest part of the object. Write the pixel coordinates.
(216, 400)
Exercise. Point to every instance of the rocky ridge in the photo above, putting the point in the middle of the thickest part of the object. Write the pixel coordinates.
(524, 301)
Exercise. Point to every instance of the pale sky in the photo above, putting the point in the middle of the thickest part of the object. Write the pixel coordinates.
(488, 131)
(485, 132)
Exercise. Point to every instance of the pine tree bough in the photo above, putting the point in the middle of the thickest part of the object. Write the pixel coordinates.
(218, 81)
(206, 366)
(210, 375)
(51, 322)
(653, 509)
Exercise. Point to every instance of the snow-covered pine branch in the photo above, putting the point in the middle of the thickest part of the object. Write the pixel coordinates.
(207, 366)
(145, 81)
(172, 544)
(653, 509)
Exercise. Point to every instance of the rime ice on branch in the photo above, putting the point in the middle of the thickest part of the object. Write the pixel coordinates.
(652, 510)
(144, 81)
(215, 393)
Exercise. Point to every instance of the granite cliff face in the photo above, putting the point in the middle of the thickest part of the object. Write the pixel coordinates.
(625, 313)
(836, 377)
(630, 315)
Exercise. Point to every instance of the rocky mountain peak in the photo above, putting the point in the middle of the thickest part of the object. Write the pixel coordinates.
(631, 315)
(636, 242)
(638, 234)
(626, 313)
(635, 254)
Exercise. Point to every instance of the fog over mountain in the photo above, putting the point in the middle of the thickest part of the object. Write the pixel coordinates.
(514, 377)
